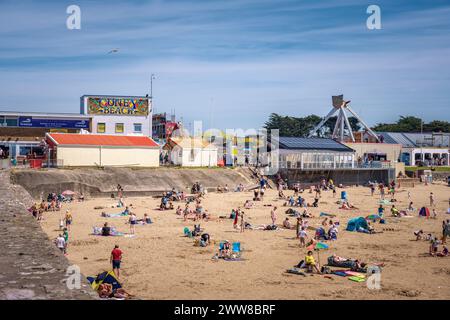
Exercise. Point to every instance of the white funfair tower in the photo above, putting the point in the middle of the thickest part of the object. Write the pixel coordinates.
(341, 106)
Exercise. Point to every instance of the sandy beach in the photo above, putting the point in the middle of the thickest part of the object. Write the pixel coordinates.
(161, 263)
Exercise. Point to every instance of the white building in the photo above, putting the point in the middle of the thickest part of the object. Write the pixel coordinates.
(118, 115)
(91, 150)
(191, 152)
(429, 149)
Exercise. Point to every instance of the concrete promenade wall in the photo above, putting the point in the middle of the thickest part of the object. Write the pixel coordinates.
(136, 182)
(31, 266)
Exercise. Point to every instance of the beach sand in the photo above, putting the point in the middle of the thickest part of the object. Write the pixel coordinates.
(160, 263)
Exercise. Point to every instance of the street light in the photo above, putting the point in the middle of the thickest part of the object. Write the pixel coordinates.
(152, 77)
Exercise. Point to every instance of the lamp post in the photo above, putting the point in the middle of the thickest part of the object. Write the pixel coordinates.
(152, 77)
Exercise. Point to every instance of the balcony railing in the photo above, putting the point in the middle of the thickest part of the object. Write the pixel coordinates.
(327, 165)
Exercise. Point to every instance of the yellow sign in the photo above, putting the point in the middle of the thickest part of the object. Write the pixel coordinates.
(118, 106)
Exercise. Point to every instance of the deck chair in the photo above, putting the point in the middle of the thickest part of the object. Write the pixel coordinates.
(187, 232)
(236, 249)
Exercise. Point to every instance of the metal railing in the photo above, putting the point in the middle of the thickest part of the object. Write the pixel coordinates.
(328, 165)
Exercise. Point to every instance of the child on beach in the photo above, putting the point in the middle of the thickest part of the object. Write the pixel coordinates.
(302, 235)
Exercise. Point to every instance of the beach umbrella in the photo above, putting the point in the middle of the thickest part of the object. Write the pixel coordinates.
(373, 217)
(317, 247)
(68, 193)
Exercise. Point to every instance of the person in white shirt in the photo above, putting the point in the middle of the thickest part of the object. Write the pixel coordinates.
(61, 243)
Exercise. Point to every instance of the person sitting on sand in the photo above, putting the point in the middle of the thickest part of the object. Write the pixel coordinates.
(225, 252)
(106, 230)
(310, 262)
(248, 204)
(418, 234)
(179, 211)
(410, 207)
(219, 189)
(443, 253)
(306, 214)
(434, 247)
(205, 240)
(332, 233)
(287, 224)
(394, 211)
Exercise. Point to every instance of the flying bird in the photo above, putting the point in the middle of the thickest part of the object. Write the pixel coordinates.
(114, 50)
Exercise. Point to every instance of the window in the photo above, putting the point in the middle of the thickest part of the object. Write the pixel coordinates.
(192, 155)
(101, 127)
(138, 127)
(119, 127)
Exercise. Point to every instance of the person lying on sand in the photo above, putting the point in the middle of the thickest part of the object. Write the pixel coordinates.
(105, 290)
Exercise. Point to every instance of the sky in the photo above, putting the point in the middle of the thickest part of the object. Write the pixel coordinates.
(230, 63)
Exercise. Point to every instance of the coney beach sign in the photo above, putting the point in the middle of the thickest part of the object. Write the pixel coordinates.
(130, 106)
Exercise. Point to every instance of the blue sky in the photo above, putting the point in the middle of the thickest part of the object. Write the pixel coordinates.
(230, 63)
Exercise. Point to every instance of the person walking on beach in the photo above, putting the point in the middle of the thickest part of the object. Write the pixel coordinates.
(242, 222)
(273, 215)
(133, 221)
(116, 259)
(432, 200)
(68, 219)
(61, 243)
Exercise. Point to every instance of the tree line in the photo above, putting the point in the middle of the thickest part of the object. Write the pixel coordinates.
(301, 126)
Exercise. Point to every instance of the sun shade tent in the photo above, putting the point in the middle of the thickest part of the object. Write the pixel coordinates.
(356, 223)
(424, 212)
(104, 277)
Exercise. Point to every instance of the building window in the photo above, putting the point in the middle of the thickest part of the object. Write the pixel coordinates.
(101, 127)
(138, 127)
(119, 127)
(192, 155)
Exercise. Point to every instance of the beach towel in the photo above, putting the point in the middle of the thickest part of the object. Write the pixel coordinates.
(97, 231)
(324, 214)
(296, 271)
(385, 202)
(340, 273)
(234, 259)
(356, 279)
(355, 274)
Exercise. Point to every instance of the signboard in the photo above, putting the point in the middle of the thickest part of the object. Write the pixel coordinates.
(170, 128)
(53, 123)
(118, 106)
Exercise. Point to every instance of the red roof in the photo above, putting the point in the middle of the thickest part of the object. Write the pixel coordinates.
(101, 140)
